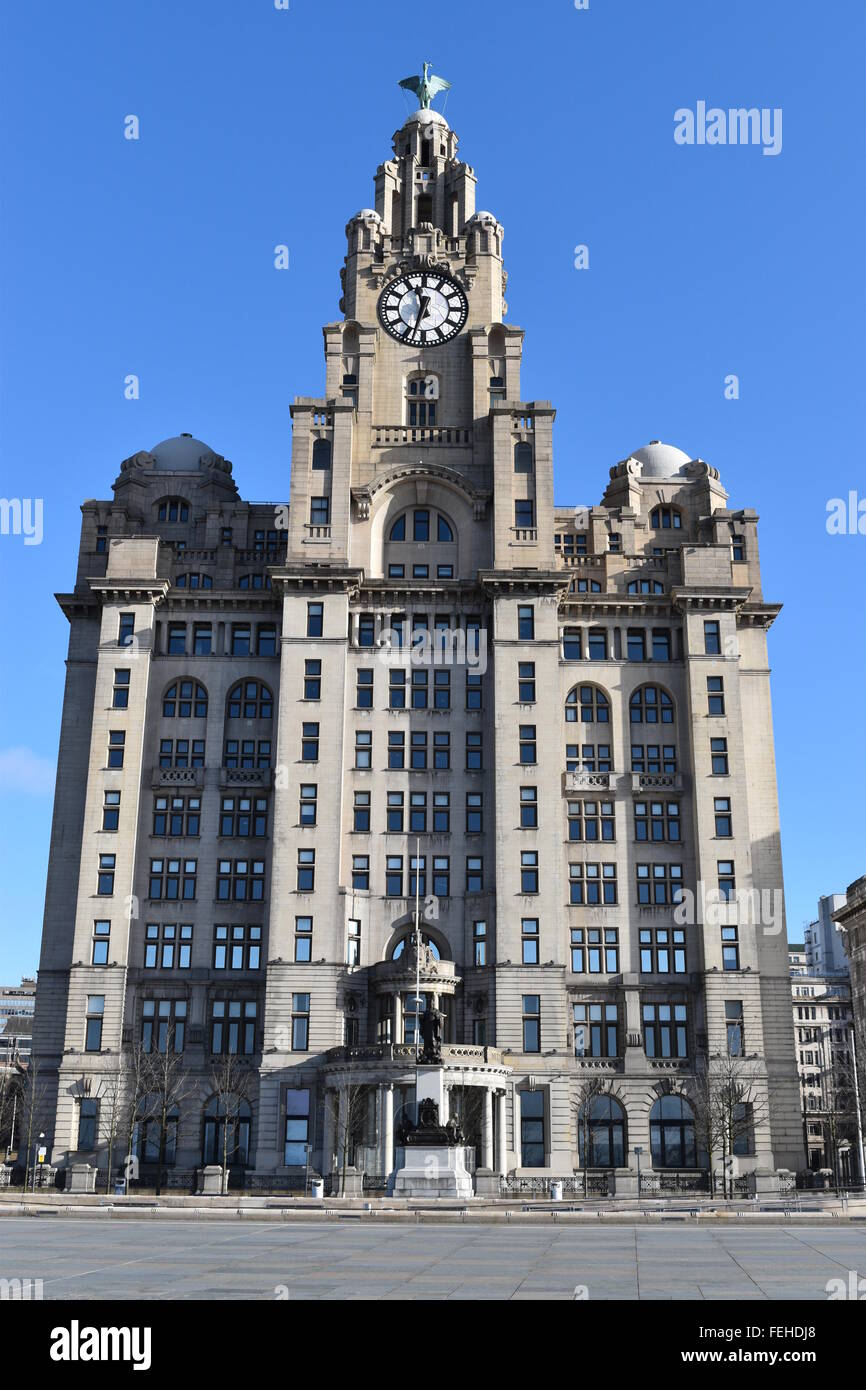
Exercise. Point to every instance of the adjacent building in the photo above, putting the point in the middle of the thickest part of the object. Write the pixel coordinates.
(823, 1021)
(17, 1004)
(419, 684)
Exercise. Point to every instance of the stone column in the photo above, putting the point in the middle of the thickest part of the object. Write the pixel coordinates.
(342, 1121)
(487, 1131)
(328, 1136)
(501, 1135)
(445, 1113)
(397, 1024)
(387, 1137)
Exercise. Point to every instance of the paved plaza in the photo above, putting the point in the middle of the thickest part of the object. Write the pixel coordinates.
(184, 1259)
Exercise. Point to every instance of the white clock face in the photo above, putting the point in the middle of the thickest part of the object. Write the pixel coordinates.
(423, 309)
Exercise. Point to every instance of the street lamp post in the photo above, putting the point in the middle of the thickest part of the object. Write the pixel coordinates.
(638, 1150)
(36, 1157)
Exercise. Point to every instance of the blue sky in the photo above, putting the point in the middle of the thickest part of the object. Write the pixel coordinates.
(261, 126)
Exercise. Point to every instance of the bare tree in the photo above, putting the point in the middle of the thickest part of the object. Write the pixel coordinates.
(730, 1100)
(349, 1119)
(34, 1095)
(582, 1106)
(166, 1084)
(136, 1072)
(231, 1082)
(10, 1105)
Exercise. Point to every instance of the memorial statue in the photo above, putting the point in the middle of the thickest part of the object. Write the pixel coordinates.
(425, 85)
(431, 1036)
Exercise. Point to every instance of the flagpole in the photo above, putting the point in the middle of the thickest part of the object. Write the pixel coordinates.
(417, 965)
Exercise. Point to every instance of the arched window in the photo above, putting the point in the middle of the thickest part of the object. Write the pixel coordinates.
(601, 1133)
(185, 699)
(665, 519)
(254, 581)
(672, 1133)
(645, 586)
(149, 1131)
(422, 400)
(250, 700)
(651, 705)
(586, 704)
(194, 581)
(523, 457)
(239, 1122)
(321, 453)
(173, 509)
(424, 526)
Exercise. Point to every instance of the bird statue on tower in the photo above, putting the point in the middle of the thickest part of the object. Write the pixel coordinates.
(426, 86)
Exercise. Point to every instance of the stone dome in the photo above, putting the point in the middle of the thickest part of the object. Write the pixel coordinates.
(426, 116)
(660, 460)
(183, 454)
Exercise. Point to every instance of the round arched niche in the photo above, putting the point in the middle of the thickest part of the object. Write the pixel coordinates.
(436, 496)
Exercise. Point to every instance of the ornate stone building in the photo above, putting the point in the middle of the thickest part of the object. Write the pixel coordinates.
(419, 677)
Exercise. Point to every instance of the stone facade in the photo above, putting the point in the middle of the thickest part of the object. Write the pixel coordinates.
(598, 737)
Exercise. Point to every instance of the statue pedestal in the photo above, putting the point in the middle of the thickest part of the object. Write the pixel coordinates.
(433, 1171)
(431, 1086)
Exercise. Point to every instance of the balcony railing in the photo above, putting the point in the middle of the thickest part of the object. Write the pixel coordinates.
(428, 435)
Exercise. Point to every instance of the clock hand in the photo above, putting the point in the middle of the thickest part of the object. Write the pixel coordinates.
(425, 305)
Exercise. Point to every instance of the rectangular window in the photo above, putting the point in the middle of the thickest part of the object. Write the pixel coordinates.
(474, 874)
(396, 748)
(659, 885)
(171, 879)
(243, 880)
(441, 689)
(310, 743)
(441, 813)
(474, 752)
(116, 748)
(320, 511)
(526, 682)
(315, 619)
(361, 812)
(306, 871)
(101, 540)
(527, 743)
(719, 756)
(473, 690)
(300, 1022)
(364, 690)
(715, 695)
(418, 813)
(176, 815)
(233, 1027)
(722, 814)
(571, 645)
(363, 749)
(653, 758)
(393, 876)
(244, 816)
(665, 1030)
(656, 820)
(168, 945)
(738, 549)
(529, 808)
(360, 871)
(105, 878)
(712, 639)
(591, 821)
(126, 630)
(120, 693)
(529, 940)
(88, 1124)
(734, 1027)
(176, 645)
(479, 942)
(297, 1128)
(303, 938)
(93, 1023)
(636, 645)
(100, 943)
(662, 950)
(394, 813)
(730, 948)
(441, 752)
(531, 1029)
(526, 619)
(597, 644)
(441, 876)
(524, 513)
(237, 948)
(592, 885)
(474, 813)
(353, 942)
(595, 950)
(163, 1025)
(308, 804)
(595, 1030)
(419, 684)
(266, 639)
(110, 810)
(528, 871)
(418, 751)
(241, 639)
(312, 680)
(661, 644)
